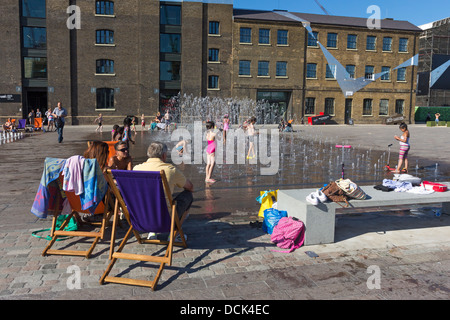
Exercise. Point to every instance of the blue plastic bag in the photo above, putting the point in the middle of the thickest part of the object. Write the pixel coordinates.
(271, 218)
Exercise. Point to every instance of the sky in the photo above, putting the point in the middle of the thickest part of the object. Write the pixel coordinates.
(417, 12)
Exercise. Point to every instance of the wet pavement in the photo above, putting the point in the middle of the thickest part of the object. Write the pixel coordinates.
(227, 259)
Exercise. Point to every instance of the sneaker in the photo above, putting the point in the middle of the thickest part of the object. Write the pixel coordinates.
(152, 236)
(321, 196)
(311, 198)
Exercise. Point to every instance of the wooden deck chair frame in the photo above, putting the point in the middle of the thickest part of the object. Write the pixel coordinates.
(97, 235)
(175, 228)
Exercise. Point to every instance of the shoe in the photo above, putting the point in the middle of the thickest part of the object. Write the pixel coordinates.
(311, 198)
(152, 236)
(321, 196)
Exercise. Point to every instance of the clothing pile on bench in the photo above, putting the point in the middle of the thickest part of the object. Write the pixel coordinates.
(401, 186)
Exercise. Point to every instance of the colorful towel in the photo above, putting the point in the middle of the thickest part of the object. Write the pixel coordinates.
(95, 185)
(48, 193)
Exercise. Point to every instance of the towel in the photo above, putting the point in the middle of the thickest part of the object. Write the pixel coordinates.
(48, 192)
(73, 174)
(95, 185)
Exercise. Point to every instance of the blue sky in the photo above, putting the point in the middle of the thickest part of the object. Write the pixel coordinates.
(417, 12)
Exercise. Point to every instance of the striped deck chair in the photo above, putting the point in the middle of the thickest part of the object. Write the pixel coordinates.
(141, 195)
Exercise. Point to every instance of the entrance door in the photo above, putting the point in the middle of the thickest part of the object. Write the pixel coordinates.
(35, 100)
(348, 110)
(276, 107)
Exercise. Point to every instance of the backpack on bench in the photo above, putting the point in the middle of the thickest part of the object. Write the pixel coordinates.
(289, 233)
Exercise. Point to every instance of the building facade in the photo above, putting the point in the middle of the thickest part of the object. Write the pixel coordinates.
(130, 57)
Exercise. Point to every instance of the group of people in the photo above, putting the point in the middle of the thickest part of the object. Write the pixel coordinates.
(54, 118)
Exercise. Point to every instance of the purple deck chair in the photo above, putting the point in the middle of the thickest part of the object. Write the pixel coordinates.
(22, 124)
(141, 196)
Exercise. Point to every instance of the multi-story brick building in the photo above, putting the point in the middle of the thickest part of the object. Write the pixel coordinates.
(130, 57)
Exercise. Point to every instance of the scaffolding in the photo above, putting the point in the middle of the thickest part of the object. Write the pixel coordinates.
(435, 39)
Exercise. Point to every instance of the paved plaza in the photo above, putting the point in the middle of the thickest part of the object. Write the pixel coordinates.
(227, 259)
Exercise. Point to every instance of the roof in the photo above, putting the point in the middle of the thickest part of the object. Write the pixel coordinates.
(434, 24)
(322, 19)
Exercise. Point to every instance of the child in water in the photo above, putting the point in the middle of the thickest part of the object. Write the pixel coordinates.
(210, 151)
(251, 137)
(404, 148)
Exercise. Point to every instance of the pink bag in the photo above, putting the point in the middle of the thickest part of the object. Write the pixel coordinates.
(289, 233)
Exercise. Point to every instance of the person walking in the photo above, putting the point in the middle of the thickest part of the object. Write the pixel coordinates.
(60, 114)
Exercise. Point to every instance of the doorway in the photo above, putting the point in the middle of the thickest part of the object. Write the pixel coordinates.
(35, 99)
(348, 111)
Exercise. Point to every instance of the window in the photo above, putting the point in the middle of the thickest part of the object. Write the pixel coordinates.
(245, 35)
(213, 55)
(351, 70)
(34, 38)
(399, 106)
(371, 43)
(214, 27)
(387, 44)
(104, 66)
(33, 8)
(330, 71)
(170, 14)
(282, 37)
(401, 74)
(213, 82)
(264, 36)
(281, 69)
(351, 41)
(312, 39)
(403, 45)
(169, 70)
(367, 107)
(310, 105)
(104, 37)
(384, 107)
(263, 68)
(368, 74)
(332, 40)
(170, 42)
(244, 67)
(104, 7)
(34, 68)
(329, 106)
(311, 70)
(387, 75)
(105, 98)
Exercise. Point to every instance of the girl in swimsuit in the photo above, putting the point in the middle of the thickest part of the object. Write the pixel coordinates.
(404, 148)
(226, 126)
(210, 151)
(251, 137)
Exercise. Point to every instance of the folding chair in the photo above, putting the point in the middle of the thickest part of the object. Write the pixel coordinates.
(112, 150)
(141, 195)
(104, 207)
(22, 124)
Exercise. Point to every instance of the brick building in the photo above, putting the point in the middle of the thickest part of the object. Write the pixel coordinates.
(130, 57)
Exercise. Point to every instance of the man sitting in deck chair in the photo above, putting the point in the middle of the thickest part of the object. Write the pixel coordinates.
(157, 157)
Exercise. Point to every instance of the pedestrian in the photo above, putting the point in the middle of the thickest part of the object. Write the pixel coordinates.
(60, 114)
(210, 151)
(50, 119)
(142, 122)
(100, 123)
(157, 154)
(31, 116)
(404, 148)
(251, 137)
(167, 120)
(226, 127)
(127, 131)
(437, 115)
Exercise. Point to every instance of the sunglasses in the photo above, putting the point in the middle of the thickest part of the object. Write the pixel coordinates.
(123, 150)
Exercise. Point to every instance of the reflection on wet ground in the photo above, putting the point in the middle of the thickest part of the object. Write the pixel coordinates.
(305, 161)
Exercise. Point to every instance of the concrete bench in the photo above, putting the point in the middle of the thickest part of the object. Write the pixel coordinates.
(320, 220)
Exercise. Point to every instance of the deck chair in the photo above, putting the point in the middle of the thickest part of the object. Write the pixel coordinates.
(38, 123)
(105, 207)
(112, 150)
(22, 124)
(141, 195)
